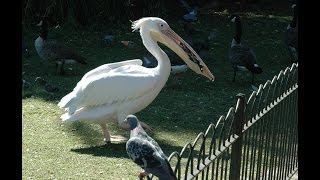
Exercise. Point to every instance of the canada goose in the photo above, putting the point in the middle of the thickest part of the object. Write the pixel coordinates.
(52, 50)
(241, 57)
(291, 35)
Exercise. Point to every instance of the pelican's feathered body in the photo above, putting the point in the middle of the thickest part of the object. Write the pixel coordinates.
(146, 152)
(291, 35)
(240, 56)
(177, 65)
(112, 91)
(54, 51)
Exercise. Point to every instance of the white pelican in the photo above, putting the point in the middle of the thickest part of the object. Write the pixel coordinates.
(112, 91)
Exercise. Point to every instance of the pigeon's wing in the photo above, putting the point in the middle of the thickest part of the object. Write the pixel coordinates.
(148, 155)
(141, 152)
(163, 171)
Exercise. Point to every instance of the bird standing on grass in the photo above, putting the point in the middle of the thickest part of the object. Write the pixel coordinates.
(54, 51)
(240, 56)
(47, 87)
(147, 153)
(291, 36)
(108, 40)
(112, 91)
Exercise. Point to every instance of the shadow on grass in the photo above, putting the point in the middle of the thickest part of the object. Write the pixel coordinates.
(89, 134)
(119, 149)
(110, 150)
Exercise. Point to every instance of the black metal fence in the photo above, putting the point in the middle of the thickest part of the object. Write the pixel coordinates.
(257, 139)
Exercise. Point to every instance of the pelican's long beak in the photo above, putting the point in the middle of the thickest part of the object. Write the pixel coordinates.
(184, 50)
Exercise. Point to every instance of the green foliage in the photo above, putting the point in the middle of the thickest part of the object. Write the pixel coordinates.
(84, 12)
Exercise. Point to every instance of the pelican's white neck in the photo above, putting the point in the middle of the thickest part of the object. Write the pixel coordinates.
(164, 66)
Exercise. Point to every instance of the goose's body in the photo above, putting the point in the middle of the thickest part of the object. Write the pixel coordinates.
(112, 91)
(147, 153)
(53, 51)
(291, 35)
(242, 57)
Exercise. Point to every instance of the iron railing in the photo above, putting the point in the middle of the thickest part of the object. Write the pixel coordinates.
(257, 139)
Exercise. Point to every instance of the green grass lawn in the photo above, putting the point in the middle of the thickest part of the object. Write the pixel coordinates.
(53, 150)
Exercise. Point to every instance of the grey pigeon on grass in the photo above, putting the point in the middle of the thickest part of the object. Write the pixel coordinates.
(146, 152)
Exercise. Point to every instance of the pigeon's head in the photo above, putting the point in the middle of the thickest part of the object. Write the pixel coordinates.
(133, 121)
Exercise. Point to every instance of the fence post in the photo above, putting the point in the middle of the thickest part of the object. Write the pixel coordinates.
(238, 122)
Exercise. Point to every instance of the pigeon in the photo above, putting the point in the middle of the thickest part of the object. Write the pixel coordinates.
(108, 40)
(191, 16)
(146, 152)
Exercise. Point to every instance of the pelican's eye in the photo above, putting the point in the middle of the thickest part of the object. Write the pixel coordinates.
(161, 26)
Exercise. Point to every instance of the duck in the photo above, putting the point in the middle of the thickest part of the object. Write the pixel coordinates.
(242, 57)
(112, 91)
(53, 51)
(144, 151)
(291, 35)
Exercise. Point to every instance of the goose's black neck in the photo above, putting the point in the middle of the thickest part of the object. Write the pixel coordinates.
(44, 30)
(238, 29)
(293, 23)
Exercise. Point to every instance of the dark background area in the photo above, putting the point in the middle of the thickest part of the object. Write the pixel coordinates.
(114, 12)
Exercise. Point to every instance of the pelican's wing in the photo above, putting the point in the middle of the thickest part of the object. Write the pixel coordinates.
(107, 67)
(118, 85)
(66, 100)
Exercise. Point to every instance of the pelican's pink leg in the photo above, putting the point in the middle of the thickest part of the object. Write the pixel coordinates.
(106, 134)
(143, 174)
(146, 126)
